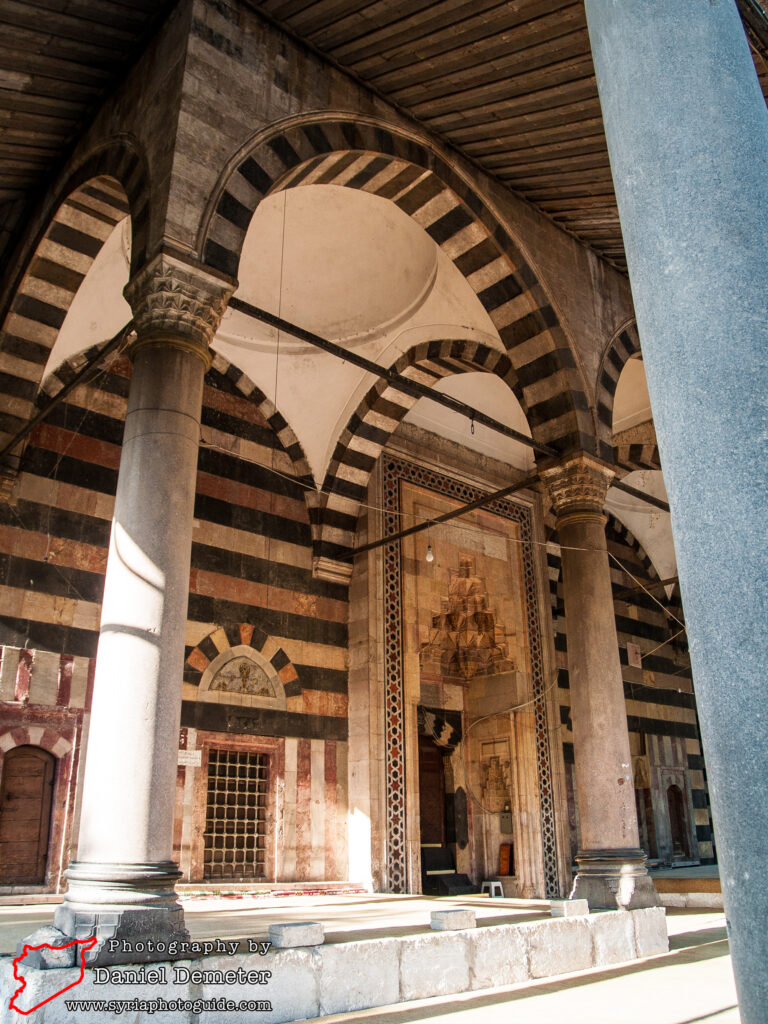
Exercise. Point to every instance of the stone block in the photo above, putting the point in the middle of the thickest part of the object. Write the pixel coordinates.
(44, 682)
(41, 985)
(452, 920)
(358, 975)
(650, 931)
(9, 666)
(296, 933)
(705, 900)
(47, 958)
(568, 908)
(558, 947)
(498, 955)
(672, 899)
(292, 988)
(613, 937)
(433, 965)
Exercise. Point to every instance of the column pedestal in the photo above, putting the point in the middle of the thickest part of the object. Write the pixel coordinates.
(614, 879)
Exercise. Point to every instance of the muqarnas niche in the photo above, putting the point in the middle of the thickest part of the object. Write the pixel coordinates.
(465, 640)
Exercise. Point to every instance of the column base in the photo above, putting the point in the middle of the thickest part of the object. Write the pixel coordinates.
(131, 909)
(614, 880)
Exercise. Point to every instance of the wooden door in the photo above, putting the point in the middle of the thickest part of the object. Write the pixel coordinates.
(26, 792)
(431, 792)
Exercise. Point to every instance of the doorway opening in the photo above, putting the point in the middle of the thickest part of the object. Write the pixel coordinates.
(677, 829)
(26, 796)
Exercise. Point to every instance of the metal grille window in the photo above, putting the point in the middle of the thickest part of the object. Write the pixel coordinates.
(235, 826)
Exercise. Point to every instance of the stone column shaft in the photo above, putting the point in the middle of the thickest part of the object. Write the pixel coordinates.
(122, 883)
(687, 132)
(611, 864)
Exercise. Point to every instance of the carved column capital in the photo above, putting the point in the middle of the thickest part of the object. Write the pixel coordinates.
(177, 304)
(577, 487)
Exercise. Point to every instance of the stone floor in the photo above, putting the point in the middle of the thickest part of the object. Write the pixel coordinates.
(346, 918)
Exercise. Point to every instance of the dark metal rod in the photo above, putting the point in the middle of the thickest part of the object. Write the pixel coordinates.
(521, 485)
(408, 387)
(649, 498)
(77, 379)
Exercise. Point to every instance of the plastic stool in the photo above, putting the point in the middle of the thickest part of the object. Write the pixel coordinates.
(492, 888)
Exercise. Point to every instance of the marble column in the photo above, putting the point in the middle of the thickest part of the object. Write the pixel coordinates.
(687, 132)
(611, 864)
(122, 884)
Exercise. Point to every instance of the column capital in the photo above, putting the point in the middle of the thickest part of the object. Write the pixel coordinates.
(177, 304)
(577, 487)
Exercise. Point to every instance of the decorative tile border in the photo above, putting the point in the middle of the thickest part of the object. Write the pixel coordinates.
(395, 471)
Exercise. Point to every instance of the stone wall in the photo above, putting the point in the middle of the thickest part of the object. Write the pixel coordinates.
(250, 584)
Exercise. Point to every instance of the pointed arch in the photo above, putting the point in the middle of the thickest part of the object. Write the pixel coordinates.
(106, 187)
(627, 455)
(380, 160)
(370, 426)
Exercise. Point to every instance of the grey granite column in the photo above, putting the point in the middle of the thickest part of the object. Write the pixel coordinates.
(611, 864)
(122, 883)
(687, 131)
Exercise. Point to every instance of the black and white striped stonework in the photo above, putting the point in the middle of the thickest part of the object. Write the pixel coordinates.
(630, 457)
(625, 345)
(113, 186)
(375, 419)
(251, 564)
(423, 185)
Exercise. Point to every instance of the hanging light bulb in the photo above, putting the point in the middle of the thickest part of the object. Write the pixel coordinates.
(430, 555)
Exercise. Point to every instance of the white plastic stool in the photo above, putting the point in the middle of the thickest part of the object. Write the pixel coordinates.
(492, 888)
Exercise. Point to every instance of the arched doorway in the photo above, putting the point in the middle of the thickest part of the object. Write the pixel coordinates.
(26, 794)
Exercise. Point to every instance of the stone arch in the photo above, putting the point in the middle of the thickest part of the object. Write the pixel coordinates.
(626, 455)
(35, 736)
(374, 420)
(385, 162)
(278, 423)
(106, 187)
(66, 370)
(615, 528)
(245, 676)
(231, 637)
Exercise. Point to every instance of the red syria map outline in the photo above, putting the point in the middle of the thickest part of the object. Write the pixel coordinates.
(86, 945)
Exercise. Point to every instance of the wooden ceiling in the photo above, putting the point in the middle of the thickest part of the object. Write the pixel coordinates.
(59, 59)
(509, 83)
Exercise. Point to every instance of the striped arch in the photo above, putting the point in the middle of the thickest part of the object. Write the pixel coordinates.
(283, 432)
(372, 423)
(222, 638)
(382, 162)
(620, 349)
(627, 456)
(66, 370)
(106, 188)
(615, 528)
(35, 736)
